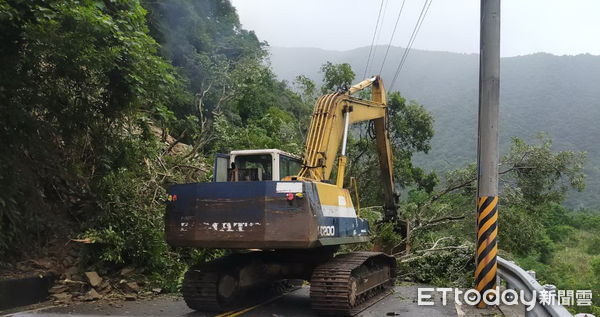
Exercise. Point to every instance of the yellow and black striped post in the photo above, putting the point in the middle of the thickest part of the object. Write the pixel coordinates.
(487, 146)
(487, 246)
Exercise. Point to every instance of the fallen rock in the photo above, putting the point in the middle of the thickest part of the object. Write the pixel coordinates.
(126, 271)
(104, 286)
(68, 261)
(71, 272)
(68, 281)
(115, 304)
(73, 285)
(157, 290)
(130, 297)
(58, 289)
(61, 296)
(146, 294)
(131, 287)
(93, 278)
(44, 263)
(22, 267)
(92, 295)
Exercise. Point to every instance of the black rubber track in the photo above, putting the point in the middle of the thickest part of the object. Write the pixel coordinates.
(331, 283)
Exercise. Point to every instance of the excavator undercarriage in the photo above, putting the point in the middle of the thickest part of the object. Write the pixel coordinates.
(351, 282)
(342, 285)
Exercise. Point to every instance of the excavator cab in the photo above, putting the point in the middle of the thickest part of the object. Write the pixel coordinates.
(255, 165)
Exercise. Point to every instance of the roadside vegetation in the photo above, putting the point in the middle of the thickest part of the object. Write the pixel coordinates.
(103, 104)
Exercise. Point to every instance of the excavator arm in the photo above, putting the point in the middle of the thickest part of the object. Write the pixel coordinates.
(331, 118)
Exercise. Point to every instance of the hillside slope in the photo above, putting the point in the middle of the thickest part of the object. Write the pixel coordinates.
(557, 95)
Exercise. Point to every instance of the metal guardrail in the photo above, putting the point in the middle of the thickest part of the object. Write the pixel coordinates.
(518, 279)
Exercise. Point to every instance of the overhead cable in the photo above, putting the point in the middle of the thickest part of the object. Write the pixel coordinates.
(392, 37)
(373, 40)
(413, 36)
(372, 61)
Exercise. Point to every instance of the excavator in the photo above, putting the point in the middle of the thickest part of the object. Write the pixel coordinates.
(286, 219)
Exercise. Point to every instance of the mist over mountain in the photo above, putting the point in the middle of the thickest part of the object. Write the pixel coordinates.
(557, 95)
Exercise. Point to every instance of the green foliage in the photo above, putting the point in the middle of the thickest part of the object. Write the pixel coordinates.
(534, 227)
(411, 129)
(275, 129)
(412, 125)
(76, 77)
(385, 237)
(206, 43)
(560, 233)
(519, 239)
(534, 180)
(307, 88)
(585, 219)
(572, 262)
(452, 268)
(595, 264)
(593, 248)
(336, 77)
(544, 176)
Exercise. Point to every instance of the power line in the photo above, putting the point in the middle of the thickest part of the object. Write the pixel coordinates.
(372, 61)
(412, 39)
(382, 22)
(413, 36)
(392, 37)
(373, 40)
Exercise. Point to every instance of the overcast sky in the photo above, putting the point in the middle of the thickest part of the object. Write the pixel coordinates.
(528, 26)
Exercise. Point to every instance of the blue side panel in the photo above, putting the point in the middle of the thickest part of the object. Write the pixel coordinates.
(223, 190)
(335, 227)
(343, 227)
(219, 201)
(255, 215)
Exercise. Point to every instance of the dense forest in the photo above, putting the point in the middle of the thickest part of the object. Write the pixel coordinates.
(104, 104)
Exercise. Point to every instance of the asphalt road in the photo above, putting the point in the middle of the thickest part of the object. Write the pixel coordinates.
(403, 302)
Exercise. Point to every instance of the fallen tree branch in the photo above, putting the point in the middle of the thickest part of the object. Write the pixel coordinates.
(419, 254)
(439, 221)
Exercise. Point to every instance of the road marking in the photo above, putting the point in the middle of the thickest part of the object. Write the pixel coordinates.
(235, 313)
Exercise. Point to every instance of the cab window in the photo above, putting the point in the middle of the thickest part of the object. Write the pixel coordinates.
(288, 166)
(254, 167)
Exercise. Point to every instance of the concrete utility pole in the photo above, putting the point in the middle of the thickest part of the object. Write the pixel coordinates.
(487, 156)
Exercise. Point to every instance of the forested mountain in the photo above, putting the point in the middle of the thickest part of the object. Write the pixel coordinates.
(557, 95)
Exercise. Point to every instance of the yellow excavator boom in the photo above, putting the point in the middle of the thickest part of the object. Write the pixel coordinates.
(331, 118)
